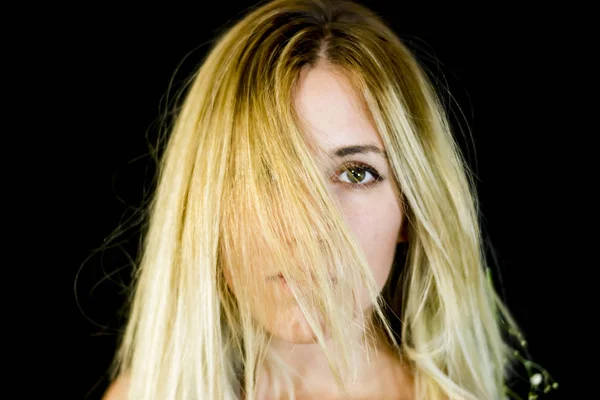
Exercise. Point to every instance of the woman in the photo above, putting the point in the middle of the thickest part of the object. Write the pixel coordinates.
(314, 232)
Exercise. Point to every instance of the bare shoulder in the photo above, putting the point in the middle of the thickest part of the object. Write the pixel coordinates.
(117, 390)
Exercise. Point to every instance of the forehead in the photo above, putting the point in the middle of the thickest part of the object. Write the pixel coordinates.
(331, 109)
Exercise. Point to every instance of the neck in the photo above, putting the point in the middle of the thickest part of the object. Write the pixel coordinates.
(379, 373)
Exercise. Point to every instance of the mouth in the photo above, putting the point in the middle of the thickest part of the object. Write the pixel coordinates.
(280, 278)
(276, 277)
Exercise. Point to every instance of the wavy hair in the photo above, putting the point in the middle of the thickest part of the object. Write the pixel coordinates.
(239, 181)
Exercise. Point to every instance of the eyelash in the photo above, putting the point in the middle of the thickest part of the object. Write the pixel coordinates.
(346, 167)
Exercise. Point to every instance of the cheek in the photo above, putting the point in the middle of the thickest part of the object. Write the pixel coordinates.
(377, 227)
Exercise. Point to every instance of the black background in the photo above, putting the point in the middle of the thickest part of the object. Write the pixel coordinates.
(111, 70)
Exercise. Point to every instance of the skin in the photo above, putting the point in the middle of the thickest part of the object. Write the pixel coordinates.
(335, 118)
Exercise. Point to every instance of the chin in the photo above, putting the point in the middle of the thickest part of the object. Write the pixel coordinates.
(291, 326)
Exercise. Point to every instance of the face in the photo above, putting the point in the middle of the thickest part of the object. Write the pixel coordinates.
(336, 122)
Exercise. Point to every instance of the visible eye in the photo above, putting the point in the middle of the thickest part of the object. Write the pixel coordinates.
(357, 175)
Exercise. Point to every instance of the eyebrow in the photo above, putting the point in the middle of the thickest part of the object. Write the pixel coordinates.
(358, 149)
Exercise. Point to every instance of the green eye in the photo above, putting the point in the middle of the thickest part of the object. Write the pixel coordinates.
(356, 174)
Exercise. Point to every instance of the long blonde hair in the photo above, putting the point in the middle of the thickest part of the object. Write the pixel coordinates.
(238, 155)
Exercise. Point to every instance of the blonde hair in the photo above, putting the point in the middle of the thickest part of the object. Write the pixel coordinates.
(238, 155)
